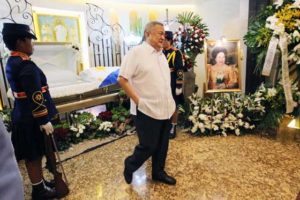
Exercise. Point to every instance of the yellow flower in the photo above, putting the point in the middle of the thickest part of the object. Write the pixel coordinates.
(288, 16)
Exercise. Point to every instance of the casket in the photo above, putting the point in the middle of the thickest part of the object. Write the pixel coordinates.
(69, 89)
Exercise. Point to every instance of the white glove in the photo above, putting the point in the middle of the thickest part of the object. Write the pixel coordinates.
(178, 91)
(10, 94)
(47, 128)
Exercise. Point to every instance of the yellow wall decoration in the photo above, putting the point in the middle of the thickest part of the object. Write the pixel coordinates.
(113, 17)
(153, 15)
(136, 23)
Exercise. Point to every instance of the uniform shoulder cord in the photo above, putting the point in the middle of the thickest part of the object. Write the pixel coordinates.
(172, 56)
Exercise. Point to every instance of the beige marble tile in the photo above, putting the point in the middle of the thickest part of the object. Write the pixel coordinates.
(220, 168)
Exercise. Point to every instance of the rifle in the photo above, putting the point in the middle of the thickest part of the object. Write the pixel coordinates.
(61, 186)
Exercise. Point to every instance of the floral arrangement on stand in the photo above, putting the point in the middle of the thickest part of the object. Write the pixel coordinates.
(278, 26)
(237, 113)
(283, 17)
(190, 37)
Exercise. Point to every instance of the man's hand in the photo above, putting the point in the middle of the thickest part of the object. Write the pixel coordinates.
(124, 83)
(178, 91)
(47, 128)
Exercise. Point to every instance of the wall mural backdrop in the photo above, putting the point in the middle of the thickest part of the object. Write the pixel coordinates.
(15, 11)
(110, 40)
(106, 39)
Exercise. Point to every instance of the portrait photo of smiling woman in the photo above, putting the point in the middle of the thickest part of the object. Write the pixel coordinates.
(222, 66)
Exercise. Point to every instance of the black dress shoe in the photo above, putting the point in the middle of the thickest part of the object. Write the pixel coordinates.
(164, 178)
(42, 192)
(173, 134)
(127, 176)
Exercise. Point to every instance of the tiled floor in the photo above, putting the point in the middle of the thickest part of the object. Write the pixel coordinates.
(245, 167)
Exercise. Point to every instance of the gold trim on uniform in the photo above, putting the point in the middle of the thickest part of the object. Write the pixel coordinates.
(41, 109)
(38, 97)
(22, 95)
(180, 74)
(40, 113)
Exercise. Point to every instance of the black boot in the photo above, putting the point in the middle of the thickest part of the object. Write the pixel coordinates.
(42, 192)
(50, 184)
(173, 132)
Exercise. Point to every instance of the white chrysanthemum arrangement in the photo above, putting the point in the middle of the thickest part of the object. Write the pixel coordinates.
(233, 113)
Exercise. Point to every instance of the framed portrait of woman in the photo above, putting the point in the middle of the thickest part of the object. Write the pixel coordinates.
(222, 64)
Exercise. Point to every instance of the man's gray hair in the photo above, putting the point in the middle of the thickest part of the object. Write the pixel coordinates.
(150, 25)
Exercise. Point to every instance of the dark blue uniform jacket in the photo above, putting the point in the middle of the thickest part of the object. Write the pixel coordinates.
(30, 89)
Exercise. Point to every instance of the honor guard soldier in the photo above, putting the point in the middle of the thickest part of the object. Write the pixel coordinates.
(33, 106)
(175, 62)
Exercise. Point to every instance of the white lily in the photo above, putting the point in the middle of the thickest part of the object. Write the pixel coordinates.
(296, 34)
(224, 133)
(194, 129)
(237, 131)
(201, 125)
(271, 92)
(271, 22)
(240, 115)
(219, 116)
(203, 117)
(278, 3)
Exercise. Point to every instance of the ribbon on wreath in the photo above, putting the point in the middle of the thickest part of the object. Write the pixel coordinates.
(270, 56)
(286, 82)
(282, 42)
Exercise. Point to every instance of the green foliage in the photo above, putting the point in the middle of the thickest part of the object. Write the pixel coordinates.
(124, 100)
(5, 115)
(120, 114)
(63, 124)
(184, 113)
(258, 36)
(192, 19)
(271, 120)
(260, 59)
(122, 93)
(84, 118)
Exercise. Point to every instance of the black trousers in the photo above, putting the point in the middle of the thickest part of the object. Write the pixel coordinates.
(153, 137)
